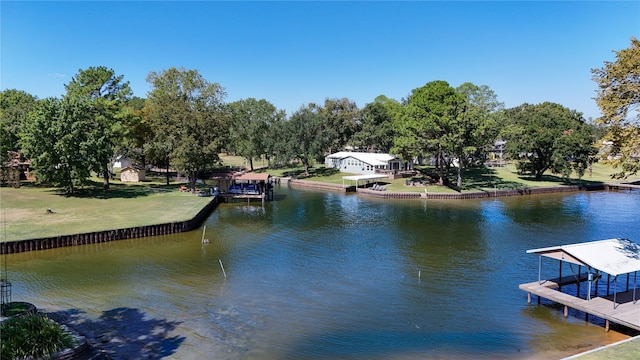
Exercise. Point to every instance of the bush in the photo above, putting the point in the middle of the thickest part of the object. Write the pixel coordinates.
(32, 336)
(17, 308)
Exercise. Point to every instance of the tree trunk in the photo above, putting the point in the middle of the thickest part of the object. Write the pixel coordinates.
(192, 180)
(105, 179)
(306, 168)
(459, 184)
(167, 172)
(440, 166)
(251, 163)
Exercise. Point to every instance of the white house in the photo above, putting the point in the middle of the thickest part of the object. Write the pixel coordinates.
(122, 162)
(365, 163)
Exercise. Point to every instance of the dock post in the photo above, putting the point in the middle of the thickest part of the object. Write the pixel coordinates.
(566, 311)
(606, 325)
(528, 298)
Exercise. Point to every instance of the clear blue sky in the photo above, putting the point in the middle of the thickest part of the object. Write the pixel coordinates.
(293, 53)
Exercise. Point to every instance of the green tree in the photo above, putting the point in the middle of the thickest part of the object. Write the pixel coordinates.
(303, 136)
(547, 136)
(474, 131)
(427, 125)
(136, 130)
(619, 96)
(376, 129)
(15, 105)
(186, 114)
(106, 93)
(249, 129)
(54, 137)
(342, 118)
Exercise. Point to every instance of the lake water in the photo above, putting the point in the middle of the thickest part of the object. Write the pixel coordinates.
(324, 275)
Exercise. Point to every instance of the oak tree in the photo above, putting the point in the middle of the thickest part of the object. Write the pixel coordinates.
(186, 114)
(619, 100)
(547, 136)
(106, 94)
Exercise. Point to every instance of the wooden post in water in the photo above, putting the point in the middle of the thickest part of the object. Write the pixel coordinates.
(223, 272)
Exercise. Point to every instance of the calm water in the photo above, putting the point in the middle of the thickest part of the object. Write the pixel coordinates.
(321, 275)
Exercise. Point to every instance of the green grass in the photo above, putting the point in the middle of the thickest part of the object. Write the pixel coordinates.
(240, 162)
(627, 350)
(32, 336)
(474, 179)
(25, 212)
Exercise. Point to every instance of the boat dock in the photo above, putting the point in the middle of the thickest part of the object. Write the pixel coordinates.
(244, 187)
(624, 311)
(618, 258)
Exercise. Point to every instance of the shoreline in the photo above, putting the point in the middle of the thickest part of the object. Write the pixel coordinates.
(25, 245)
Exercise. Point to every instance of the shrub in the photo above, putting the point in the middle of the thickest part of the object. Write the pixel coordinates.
(17, 308)
(32, 336)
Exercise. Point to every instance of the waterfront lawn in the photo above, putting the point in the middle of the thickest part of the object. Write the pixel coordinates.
(25, 212)
(474, 179)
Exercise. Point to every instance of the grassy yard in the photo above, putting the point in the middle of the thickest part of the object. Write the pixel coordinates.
(481, 179)
(25, 212)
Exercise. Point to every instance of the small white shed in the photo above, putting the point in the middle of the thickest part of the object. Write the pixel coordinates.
(132, 174)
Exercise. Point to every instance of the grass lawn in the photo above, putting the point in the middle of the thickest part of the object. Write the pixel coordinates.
(481, 179)
(25, 216)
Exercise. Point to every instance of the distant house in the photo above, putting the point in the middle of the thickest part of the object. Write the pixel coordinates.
(122, 162)
(132, 174)
(365, 163)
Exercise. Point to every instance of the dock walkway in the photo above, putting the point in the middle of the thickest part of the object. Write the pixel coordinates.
(625, 311)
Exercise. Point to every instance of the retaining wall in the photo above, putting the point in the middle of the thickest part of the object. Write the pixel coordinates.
(11, 247)
(471, 195)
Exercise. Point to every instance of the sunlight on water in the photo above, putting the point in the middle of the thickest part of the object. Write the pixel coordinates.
(320, 275)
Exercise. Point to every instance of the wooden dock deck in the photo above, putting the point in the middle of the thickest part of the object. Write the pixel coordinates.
(624, 312)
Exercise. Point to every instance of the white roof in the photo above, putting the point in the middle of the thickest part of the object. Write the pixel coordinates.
(612, 256)
(369, 158)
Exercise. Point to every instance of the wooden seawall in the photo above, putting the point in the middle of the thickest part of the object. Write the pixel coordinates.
(470, 195)
(10, 247)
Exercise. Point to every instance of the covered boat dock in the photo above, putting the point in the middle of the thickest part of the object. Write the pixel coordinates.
(618, 259)
(249, 186)
(364, 178)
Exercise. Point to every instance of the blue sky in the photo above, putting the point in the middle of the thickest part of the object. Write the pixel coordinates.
(293, 53)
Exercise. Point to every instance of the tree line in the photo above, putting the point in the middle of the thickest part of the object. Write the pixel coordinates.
(184, 124)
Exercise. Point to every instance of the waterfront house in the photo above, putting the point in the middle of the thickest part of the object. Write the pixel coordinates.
(365, 163)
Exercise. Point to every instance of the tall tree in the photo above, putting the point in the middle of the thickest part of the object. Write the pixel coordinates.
(376, 130)
(15, 105)
(427, 124)
(186, 114)
(304, 138)
(619, 96)
(249, 127)
(106, 93)
(136, 131)
(546, 136)
(342, 118)
(475, 130)
(54, 137)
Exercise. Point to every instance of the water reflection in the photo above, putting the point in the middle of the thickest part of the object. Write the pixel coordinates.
(323, 275)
